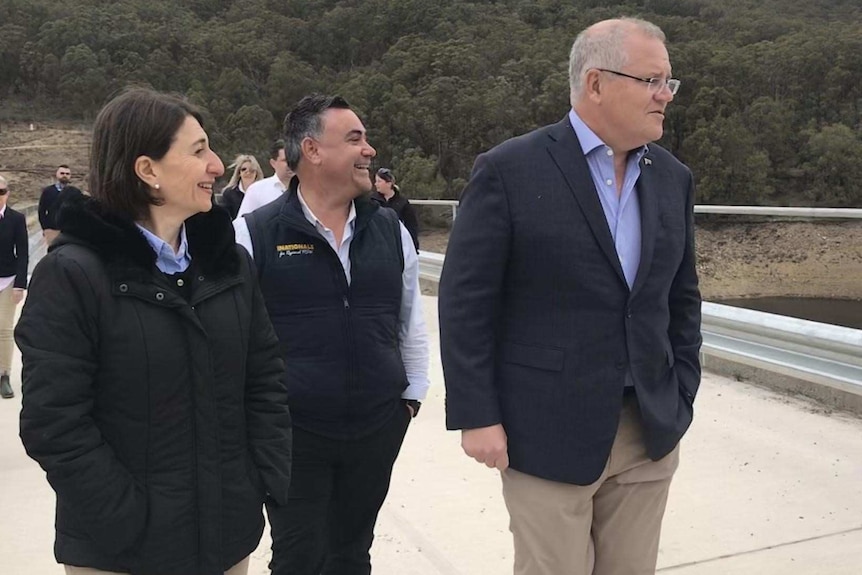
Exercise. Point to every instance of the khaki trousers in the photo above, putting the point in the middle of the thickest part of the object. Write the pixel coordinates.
(7, 319)
(610, 527)
(240, 568)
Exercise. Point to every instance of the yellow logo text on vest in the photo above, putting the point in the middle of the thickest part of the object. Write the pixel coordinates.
(294, 250)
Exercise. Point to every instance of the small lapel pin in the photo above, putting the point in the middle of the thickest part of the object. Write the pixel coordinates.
(647, 162)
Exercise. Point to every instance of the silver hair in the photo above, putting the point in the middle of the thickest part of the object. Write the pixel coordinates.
(603, 48)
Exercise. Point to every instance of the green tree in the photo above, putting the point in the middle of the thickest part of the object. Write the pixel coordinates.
(833, 166)
(83, 84)
(728, 166)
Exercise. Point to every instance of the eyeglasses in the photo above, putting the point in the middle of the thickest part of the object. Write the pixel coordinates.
(244, 169)
(655, 84)
(4, 191)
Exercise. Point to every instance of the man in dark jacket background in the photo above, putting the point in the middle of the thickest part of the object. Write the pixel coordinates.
(48, 199)
(340, 279)
(389, 195)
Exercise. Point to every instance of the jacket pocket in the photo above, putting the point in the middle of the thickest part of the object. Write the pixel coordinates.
(545, 358)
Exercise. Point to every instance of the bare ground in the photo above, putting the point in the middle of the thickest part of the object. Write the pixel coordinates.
(30, 159)
(735, 259)
(767, 258)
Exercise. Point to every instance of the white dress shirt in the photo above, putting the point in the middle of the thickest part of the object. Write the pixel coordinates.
(412, 332)
(260, 193)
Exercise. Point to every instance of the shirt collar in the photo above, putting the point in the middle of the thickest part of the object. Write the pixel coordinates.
(3, 212)
(164, 251)
(589, 140)
(312, 219)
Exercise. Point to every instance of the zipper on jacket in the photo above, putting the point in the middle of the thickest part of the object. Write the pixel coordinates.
(298, 223)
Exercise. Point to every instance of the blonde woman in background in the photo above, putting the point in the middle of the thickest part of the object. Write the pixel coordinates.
(246, 171)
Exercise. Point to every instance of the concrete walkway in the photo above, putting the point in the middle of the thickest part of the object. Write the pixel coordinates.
(768, 485)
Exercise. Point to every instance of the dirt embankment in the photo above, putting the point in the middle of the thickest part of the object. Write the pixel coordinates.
(29, 160)
(767, 258)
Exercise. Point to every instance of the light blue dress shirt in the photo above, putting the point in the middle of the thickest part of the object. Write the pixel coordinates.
(622, 211)
(167, 260)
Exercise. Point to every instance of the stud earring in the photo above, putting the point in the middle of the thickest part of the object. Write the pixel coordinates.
(157, 186)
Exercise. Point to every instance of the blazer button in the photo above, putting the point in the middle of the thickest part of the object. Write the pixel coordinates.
(629, 313)
(160, 296)
(124, 288)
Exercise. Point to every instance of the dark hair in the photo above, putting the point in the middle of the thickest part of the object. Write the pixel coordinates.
(63, 166)
(138, 122)
(304, 121)
(275, 148)
(385, 174)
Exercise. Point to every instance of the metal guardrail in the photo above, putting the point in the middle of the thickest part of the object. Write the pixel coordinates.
(816, 352)
(843, 213)
(452, 203)
(820, 353)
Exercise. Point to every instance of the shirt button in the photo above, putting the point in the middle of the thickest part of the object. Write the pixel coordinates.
(124, 288)
(160, 296)
(180, 282)
(610, 152)
(609, 182)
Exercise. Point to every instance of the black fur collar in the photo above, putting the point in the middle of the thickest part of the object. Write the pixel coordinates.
(84, 220)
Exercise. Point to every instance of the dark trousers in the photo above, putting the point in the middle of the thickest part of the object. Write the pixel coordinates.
(336, 490)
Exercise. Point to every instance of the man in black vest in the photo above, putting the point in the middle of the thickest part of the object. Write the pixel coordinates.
(340, 279)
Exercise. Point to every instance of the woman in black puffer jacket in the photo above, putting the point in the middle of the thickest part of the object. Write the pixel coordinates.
(152, 392)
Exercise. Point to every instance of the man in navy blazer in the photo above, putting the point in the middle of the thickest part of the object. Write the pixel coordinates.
(570, 314)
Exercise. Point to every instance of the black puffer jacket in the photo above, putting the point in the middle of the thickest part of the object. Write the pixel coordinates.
(161, 423)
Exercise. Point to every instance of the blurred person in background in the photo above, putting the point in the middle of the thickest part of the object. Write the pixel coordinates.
(14, 258)
(388, 194)
(271, 188)
(48, 199)
(246, 171)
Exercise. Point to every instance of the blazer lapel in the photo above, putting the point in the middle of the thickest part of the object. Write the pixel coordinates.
(567, 154)
(648, 187)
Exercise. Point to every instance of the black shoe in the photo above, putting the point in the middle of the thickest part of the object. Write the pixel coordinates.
(5, 387)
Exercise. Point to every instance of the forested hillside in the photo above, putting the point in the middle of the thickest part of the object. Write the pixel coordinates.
(770, 109)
